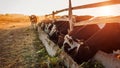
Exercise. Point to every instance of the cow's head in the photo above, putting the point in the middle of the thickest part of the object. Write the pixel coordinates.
(71, 43)
(53, 30)
(33, 19)
(41, 25)
(84, 54)
(47, 27)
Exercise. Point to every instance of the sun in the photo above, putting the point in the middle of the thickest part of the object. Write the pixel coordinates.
(106, 11)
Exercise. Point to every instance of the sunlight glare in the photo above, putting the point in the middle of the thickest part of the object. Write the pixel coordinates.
(106, 11)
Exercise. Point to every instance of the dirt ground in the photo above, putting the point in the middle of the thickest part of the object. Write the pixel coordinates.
(16, 45)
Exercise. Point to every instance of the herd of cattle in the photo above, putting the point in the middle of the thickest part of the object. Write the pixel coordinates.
(83, 41)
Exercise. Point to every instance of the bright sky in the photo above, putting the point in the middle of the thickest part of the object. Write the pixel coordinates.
(42, 7)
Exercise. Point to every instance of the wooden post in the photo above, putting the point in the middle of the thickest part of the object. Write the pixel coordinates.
(53, 15)
(70, 16)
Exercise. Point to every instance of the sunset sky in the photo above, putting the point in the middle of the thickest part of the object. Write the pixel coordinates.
(42, 7)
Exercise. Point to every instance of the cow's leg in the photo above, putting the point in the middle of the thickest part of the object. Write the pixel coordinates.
(32, 25)
(35, 26)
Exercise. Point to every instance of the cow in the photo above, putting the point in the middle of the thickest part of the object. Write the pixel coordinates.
(106, 39)
(59, 29)
(75, 38)
(46, 25)
(61, 37)
(41, 25)
(55, 28)
(33, 20)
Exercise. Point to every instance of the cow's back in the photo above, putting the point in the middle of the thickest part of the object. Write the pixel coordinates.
(84, 32)
(107, 39)
(62, 26)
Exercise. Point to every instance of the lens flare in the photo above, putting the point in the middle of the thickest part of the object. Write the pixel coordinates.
(106, 11)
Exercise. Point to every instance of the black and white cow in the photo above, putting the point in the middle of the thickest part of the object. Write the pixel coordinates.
(107, 39)
(46, 25)
(59, 29)
(61, 36)
(75, 38)
(41, 25)
(55, 29)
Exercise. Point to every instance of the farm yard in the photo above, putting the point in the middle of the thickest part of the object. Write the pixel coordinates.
(20, 46)
(62, 41)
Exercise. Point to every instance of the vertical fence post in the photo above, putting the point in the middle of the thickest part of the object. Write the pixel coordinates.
(53, 15)
(70, 16)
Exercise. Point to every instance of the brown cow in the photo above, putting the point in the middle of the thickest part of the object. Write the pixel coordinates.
(33, 20)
